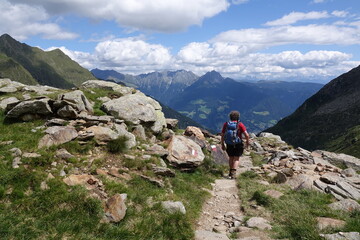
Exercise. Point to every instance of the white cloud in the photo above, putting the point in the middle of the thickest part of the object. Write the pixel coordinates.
(298, 16)
(237, 2)
(318, 1)
(155, 15)
(21, 21)
(128, 55)
(283, 35)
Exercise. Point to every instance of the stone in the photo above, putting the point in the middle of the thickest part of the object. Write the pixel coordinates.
(55, 122)
(323, 223)
(270, 135)
(139, 131)
(67, 112)
(5, 102)
(171, 123)
(154, 181)
(194, 131)
(273, 193)
(63, 154)
(173, 207)
(340, 158)
(16, 162)
(98, 84)
(349, 172)
(57, 135)
(208, 235)
(136, 108)
(280, 177)
(31, 155)
(220, 156)
(115, 208)
(342, 236)
(77, 100)
(347, 205)
(184, 153)
(258, 222)
(353, 192)
(166, 172)
(331, 178)
(288, 172)
(15, 152)
(121, 129)
(157, 150)
(103, 134)
(39, 107)
(301, 181)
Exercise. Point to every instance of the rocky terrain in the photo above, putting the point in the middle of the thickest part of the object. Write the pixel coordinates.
(165, 159)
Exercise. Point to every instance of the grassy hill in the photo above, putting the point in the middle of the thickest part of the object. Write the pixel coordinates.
(327, 120)
(52, 68)
(13, 70)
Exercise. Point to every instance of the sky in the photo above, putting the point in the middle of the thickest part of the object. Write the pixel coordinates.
(291, 40)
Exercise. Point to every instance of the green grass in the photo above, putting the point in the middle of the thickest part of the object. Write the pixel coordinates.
(63, 212)
(349, 143)
(294, 214)
(117, 145)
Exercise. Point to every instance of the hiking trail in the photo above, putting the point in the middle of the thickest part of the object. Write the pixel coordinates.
(221, 214)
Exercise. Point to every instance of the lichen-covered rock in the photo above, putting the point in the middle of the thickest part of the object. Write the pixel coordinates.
(57, 135)
(184, 153)
(77, 100)
(35, 107)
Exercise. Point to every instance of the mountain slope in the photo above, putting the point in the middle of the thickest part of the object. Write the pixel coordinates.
(13, 70)
(326, 116)
(52, 68)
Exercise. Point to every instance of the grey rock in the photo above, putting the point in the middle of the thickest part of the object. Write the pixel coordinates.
(347, 205)
(194, 131)
(63, 154)
(320, 185)
(15, 152)
(338, 159)
(331, 178)
(258, 222)
(166, 172)
(36, 107)
(288, 172)
(31, 155)
(56, 122)
(184, 153)
(270, 135)
(115, 208)
(57, 135)
(273, 193)
(139, 131)
(157, 150)
(67, 112)
(173, 207)
(301, 181)
(154, 181)
(349, 172)
(16, 162)
(171, 123)
(323, 223)
(108, 86)
(121, 129)
(342, 236)
(353, 192)
(5, 102)
(77, 100)
(207, 235)
(103, 134)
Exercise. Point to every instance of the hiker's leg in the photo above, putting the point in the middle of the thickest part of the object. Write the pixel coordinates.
(235, 162)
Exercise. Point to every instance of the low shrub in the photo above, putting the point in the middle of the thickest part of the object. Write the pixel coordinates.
(117, 145)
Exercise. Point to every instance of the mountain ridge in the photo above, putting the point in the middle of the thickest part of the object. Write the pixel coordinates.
(53, 68)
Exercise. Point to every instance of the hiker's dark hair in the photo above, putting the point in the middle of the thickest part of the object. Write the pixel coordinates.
(234, 116)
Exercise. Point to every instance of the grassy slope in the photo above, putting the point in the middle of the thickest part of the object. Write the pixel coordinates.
(27, 212)
(13, 70)
(349, 143)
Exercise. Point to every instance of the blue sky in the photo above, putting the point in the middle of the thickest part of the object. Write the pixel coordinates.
(294, 40)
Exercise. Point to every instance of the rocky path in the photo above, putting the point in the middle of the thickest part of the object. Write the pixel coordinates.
(222, 215)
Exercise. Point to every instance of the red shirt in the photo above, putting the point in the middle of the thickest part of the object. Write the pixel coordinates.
(241, 128)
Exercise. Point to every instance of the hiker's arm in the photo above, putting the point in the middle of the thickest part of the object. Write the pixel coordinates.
(247, 137)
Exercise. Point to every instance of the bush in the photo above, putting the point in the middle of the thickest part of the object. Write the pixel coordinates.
(117, 145)
(261, 198)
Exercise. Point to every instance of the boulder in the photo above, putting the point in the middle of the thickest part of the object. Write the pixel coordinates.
(98, 84)
(171, 123)
(302, 181)
(77, 100)
(139, 131)
(347, 205)
(7, 101)
(103, 134)
(323, 223)
(163, 171)
(88, 181)
(157, 150)
(173, 207)
(184, 153)
(194, 131)
(67, 112)
(340, 159)
(220, 156)
(35, 107)
(258, 222)
(121, 129)
(63, 154)
(270, 135)
(115, 208)
(57, 135)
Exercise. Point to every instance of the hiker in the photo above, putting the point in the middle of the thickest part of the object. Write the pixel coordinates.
(231, 135)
